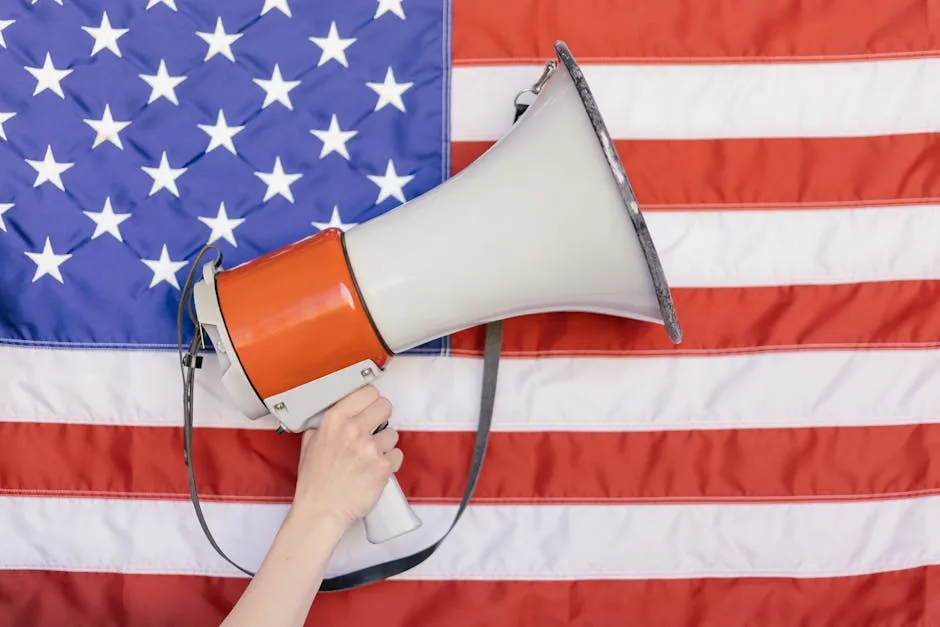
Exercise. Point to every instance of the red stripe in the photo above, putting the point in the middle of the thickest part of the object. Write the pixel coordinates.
(587, 467)
(497, 31)
(778, 172)
(892, 599)
(716, 321)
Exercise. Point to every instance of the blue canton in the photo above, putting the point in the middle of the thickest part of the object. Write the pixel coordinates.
(133, 132)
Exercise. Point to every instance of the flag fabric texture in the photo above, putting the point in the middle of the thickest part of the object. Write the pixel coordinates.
(779, 467)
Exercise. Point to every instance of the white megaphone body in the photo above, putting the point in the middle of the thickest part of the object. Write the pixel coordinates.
(544, 221)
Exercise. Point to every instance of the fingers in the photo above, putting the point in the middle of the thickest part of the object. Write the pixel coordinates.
(395, 457)
(365, 408)
(354, 403)
(374, 415)
(358, 416)
(386, 440)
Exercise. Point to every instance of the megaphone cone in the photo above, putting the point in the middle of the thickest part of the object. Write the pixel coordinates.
(544, 221)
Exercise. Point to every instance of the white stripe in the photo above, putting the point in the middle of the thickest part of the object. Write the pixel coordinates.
(806, 388)
(492, 542)
(722, 100)
(790, 246)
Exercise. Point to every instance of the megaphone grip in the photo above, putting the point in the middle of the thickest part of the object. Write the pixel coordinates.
(391, 516)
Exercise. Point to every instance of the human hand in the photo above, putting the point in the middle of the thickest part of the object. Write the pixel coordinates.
(343, 467)
(342, 471)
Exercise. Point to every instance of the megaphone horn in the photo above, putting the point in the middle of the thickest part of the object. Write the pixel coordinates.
(545, 220)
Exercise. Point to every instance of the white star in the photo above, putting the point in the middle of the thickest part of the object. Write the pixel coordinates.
(277, 89)
(3, 25)
(106, 221)
(48, 77)
(107, 129)
(390, 91)
(390, 184)
(164, 269)
(49, 169)
(389, 6)
(281, 5)
(222, 226)
(105, 36)
(169, 3)
(220, 42)
(4, 207)
(164, 177)
(59, 2)
(221, 134)
(3, 118)
(48, 262)
(335, 222)
(334, 139)
(162, 84)
(333, 47)
(278, 181)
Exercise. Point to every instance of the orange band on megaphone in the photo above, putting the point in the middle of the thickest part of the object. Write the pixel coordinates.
(295, 314)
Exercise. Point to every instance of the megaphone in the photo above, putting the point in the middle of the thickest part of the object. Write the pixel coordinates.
(544, 221)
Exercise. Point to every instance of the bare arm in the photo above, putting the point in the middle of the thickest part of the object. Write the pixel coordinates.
(342, 471)
(287, 582)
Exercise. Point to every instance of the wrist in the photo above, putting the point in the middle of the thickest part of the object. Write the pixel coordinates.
(318, 521)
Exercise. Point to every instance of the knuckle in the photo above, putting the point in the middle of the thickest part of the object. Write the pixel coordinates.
(369, 448)
(350, 430)
(332, 418)
(354, 402)
(384, 406)
(365, 395)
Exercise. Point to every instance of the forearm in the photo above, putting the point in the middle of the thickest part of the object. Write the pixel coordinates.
(282, 591)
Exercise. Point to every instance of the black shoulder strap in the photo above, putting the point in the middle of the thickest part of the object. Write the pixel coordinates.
(383, 570)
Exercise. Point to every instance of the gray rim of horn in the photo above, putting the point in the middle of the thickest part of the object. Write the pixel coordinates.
(631, 204)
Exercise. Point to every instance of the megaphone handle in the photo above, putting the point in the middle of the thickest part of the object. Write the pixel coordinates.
(383, 570)
(391, 516)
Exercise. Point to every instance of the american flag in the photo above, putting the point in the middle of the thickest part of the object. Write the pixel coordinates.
(779, 467)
